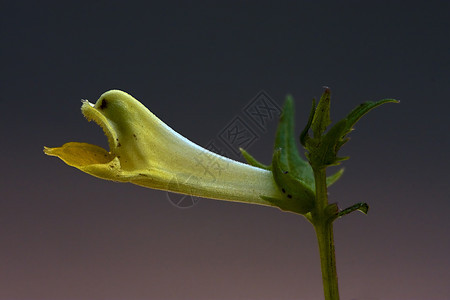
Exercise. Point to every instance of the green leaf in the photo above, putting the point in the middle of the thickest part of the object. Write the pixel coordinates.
(323, 153)
(333, 178)
(323, 148)
(363, 109)
(283, 204)
(362, 207)
(304, 135)
(321, 118)
(298, 196)
(286, 141)
(252, 161)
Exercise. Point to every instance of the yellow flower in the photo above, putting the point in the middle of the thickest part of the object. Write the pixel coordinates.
(147, 152)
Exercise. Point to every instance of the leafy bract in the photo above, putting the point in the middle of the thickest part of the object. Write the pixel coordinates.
(323, 147)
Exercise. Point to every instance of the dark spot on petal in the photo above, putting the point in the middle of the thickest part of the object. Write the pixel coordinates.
(283, 190)
(118, 145)
(103, 104)
(289, 196)
(285, 172)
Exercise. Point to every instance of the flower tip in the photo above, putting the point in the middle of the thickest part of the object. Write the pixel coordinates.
(47, 150)
(85, 101)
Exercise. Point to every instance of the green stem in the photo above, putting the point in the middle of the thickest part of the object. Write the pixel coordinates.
(323, 224)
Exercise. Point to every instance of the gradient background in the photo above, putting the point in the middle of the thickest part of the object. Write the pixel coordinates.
(66, 235)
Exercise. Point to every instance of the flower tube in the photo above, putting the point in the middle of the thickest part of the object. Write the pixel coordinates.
(145, 151)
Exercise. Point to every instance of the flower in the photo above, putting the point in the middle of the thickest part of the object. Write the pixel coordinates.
(145, 151)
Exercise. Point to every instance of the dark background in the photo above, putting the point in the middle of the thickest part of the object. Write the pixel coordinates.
(67, 235)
